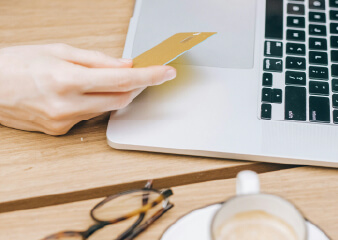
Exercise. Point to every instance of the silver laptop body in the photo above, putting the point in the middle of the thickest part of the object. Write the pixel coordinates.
(262, 89)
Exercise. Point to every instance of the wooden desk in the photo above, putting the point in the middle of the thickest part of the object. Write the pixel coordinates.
(37, 171)
(313, 190)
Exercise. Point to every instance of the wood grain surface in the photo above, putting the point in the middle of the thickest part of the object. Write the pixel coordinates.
(48, 184)
(39, 170)
(313, 190)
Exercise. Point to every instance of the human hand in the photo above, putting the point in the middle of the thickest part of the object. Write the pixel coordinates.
(50, 88)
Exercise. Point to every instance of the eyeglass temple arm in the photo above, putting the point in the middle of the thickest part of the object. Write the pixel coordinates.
(92, 229)
(145, 199)
(144, 226)
(129, 231)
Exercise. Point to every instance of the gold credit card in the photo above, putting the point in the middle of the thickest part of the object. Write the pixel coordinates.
(170, 49)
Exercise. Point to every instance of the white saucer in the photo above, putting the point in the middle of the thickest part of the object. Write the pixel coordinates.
(195, 226)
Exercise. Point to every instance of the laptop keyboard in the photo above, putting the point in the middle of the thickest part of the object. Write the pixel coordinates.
(300, 66)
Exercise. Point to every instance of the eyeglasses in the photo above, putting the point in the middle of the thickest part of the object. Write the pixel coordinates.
(143, 206)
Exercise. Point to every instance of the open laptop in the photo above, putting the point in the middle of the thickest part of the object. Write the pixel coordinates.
(265, 88)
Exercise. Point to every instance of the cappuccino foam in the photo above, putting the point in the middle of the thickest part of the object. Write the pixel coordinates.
(255, 225)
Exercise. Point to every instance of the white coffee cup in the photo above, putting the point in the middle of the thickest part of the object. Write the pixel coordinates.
(249, 199)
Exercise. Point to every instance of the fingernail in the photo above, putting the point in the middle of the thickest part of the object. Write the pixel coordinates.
(125, 60)
(169, 75)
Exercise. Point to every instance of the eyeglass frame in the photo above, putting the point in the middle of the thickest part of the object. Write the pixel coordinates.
(135, 229)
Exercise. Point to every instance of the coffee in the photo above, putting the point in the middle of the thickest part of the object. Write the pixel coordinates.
(255, 225)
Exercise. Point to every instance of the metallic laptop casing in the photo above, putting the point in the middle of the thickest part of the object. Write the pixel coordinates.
(211, 110)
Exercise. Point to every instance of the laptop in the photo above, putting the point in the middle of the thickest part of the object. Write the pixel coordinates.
(265, 88)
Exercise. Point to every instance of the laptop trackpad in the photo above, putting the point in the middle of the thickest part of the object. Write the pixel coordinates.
(234, 20)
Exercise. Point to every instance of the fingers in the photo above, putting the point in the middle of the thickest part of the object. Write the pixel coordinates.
(105, 102)
(123, 80)
(50, 127)
(87, 58)
(27, 126)
(83, 106)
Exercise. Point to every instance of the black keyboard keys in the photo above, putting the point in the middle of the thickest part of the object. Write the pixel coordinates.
(273, 49)
(319, 109)
(266, 111)
(334, 3)
(303, 100)
(295, 49)
(334, 55)
(334, 85)
(320, 73)
(317, 4)
(274, 19)
(296, 9)
(296, 63)
(317, 30)
(334, 28)
(334, 41)
(267, 79)
(317, 17)
(334, 15)
(273, 65)
(335, 116)
(295, 35)
(317, 44)
(319, 58)
(295, 78)
(319, 88)
(272, 95)
(276, 96)
(335, 100)
(296, 22)
(334, 70)
(295, 103)
(266, 95)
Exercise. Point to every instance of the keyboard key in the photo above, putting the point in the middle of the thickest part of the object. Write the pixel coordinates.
(296, 63)
(276, 95)
(319, 109)
(318, 30)
(266, 95)
(267, 79)
(334, 70)
(317, 17)
(317, 4)
(295, 103)
(266, 111)
(273, 65)
(319, 88)
(319, 58)
(295, 35)
(334, 85)
(295, 78)
(273, 49)
(320, 73)
(334, 3)
(334, 28)
(334, 56)
(334, 15)
(295, 49)
(334, 41)
(297, 9)
(335, 116)
(317, 44)
(296, 22)
(274, 19)
(335, 100)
